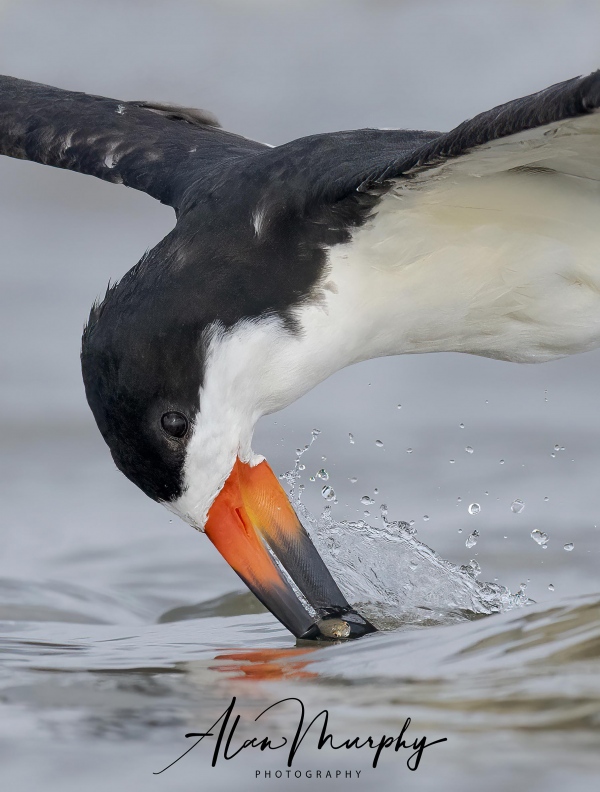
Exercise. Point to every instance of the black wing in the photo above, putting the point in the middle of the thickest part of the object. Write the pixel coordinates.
(573, 98)
(332, 167)
(160, 149)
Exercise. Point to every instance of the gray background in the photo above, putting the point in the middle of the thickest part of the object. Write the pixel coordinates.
(275, 71)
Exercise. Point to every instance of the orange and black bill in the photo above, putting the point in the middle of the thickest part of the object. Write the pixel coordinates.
(256, 530)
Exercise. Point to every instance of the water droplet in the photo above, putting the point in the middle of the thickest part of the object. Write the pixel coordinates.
(425, 518)
(557, 447)
(366, 500)
(551, 587)
(546, 498)
(459, 499)
(472, 539)
(452, 461)
(460, 530)
(323, 459)
(353, 480)
(376, 491)
(539, 536)
(379, 443)
(462, 426)
(553, 456)
(312, 478)
(301, 467)
(517, 506)
(409, 450)
(474, 508)
(501, 461)
(411, 522)
(569, 546)
(398, 406)
(323, 474)
(351, 438)
(412, 564)
(469, 450)
(367, 513)
(328, 493)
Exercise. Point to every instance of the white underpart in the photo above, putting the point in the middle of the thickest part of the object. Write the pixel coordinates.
(471, 256)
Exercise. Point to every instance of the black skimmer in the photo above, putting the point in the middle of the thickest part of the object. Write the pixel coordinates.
(287, 263)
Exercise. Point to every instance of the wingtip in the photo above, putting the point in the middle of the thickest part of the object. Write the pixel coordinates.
(590, 84)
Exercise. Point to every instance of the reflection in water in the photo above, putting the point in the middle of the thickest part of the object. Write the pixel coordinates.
(542, 663)
(264, 664)
(533, 671)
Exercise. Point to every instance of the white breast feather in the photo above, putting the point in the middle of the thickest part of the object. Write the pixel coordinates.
(496, 253)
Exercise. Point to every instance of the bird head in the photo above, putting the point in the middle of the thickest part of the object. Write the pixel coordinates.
(176, 389)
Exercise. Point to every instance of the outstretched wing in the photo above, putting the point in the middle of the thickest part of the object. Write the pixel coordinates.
(481, 240)
(331, 167)
(160, 149)
(555, 129)
(541, 115)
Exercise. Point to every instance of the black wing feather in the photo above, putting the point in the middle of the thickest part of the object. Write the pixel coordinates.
(164, 150)
(334, 168)
(157, 148)
(569, 99)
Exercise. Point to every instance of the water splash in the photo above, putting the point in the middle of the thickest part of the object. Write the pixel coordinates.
(328, 493)
(394, 578)
(472, 539)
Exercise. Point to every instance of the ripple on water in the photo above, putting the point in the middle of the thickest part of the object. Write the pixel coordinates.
(536, 668)
(54, 601)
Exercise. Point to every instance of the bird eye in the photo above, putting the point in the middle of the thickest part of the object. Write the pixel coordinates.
(174, 423)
